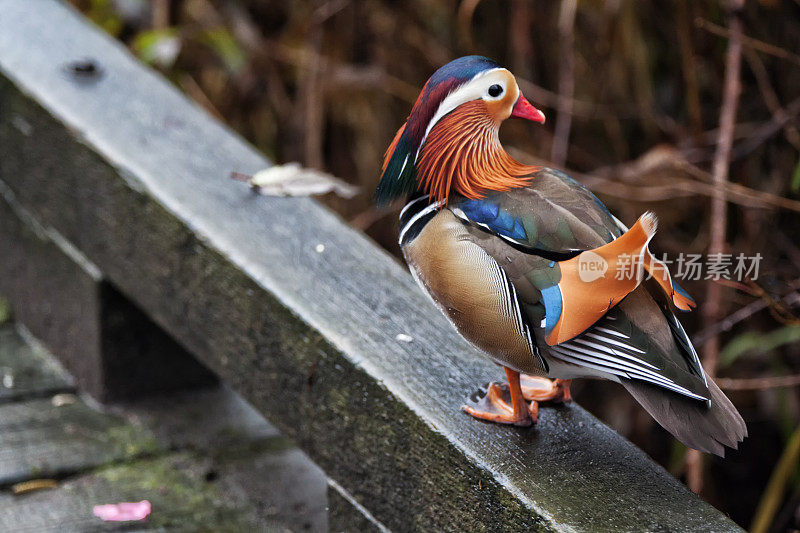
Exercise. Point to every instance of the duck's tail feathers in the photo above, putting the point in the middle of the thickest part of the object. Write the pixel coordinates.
(704, 427)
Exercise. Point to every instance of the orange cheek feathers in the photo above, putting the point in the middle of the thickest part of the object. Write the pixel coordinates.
(462, 153)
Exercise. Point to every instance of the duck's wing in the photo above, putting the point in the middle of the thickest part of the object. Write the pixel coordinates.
(554, 217)
(639, 338)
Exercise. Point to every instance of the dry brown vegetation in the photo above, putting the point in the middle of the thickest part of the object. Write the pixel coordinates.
(685, 108)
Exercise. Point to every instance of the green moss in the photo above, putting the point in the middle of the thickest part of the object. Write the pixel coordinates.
(5, 311)
(181, 498)
(242, 449)
(132, 440)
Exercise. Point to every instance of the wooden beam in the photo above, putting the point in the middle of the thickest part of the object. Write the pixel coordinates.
(136, 178)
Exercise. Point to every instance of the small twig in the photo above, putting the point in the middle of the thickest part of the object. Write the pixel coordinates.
(758, 383)
(238, 176)
(750, 42)
(193, 89)
(566, 81)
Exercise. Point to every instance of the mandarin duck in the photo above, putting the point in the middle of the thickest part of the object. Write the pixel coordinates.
(522, 261)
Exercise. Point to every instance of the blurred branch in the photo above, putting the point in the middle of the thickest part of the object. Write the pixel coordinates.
(773, 495)
(758, 383)
(743, 313)
(312, 85)
(749, 42)
(580, 108)
(689, 67)
(566, 81)
(369, 216)
(520, 40)
(466, 10)
(364, 77)
(160, 14)
(666, 161)
(770, 98)
(764, 132)
(327, 10)
(750, 135)
(718, 218)
(335, 74)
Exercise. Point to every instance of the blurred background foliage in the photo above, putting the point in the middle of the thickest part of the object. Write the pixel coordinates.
(633, 92)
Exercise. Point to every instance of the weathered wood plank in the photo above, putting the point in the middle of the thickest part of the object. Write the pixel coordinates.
(308, 338)
(173, 417)
(26, 371)
(345, 515)
(109, 345)
(176, 486)
(232, 461)
(39, 439)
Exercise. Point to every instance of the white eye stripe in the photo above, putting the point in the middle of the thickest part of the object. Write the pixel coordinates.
(474, 89)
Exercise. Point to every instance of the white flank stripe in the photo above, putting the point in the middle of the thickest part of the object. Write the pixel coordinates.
(615, 342)
(618, 363)
(614, 363)
(607, 349)
(614, 368)
(611, 332)
(582, 358)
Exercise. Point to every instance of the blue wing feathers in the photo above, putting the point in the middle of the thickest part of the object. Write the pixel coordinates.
(497, 220)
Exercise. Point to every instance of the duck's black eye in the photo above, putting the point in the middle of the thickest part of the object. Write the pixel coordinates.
(495, 91)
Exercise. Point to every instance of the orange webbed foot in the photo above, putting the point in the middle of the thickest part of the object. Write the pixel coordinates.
(536, 389)
(494, 404)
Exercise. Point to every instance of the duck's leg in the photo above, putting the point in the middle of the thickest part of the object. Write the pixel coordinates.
(536, 389)
(494, 407)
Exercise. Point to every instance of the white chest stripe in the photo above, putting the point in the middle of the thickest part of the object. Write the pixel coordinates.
(434, 206)
(409, 204)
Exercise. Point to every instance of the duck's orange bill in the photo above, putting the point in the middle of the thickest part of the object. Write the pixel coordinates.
(596, 280)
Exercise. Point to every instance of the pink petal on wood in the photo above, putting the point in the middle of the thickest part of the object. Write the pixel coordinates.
(123, 511)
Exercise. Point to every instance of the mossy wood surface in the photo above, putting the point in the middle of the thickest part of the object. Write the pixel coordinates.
(136, 178)
(204, 459)
(111, 347)
(26, 371)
